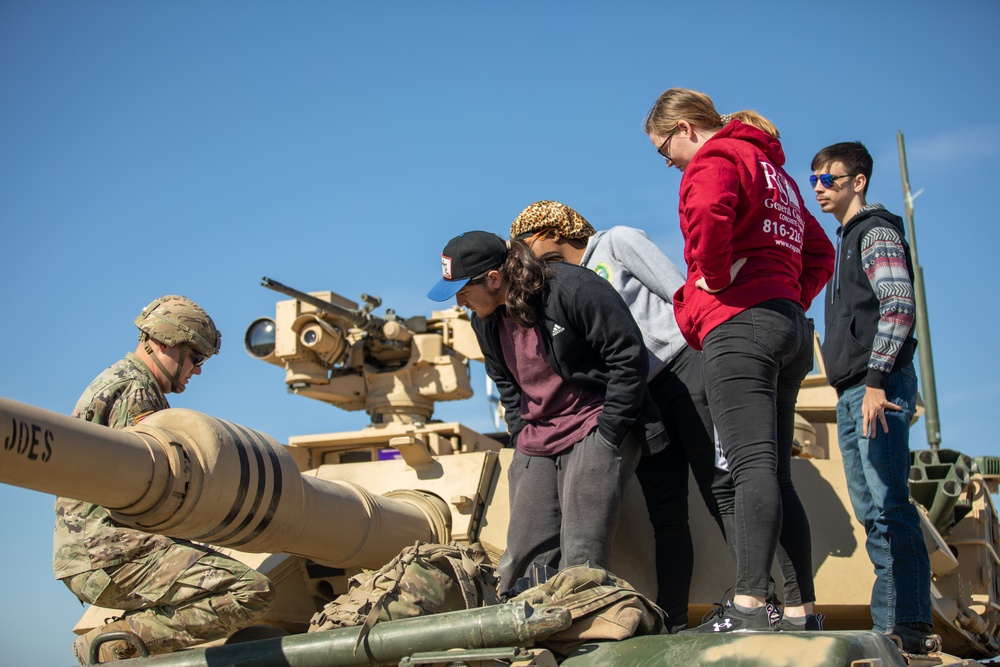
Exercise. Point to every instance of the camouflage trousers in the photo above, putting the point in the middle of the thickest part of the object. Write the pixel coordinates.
(182, 595)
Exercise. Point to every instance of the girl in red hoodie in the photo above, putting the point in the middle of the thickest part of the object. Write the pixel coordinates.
(755, 259)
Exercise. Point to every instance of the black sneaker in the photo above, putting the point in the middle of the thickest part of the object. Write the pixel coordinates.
(813, 623)
(914, 638)
(730, 618)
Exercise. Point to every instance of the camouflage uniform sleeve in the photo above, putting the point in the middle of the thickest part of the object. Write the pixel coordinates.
(135, 402)
(121, 396)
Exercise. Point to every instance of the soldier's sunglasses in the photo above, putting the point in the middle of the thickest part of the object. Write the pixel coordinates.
(197, 358)
(826, 179)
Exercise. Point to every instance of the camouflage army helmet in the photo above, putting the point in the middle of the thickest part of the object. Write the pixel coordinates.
(176, 320)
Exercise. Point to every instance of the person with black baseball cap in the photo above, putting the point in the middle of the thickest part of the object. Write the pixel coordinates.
(570, 364)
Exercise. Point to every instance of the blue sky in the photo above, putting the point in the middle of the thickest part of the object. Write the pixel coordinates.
(192, 147)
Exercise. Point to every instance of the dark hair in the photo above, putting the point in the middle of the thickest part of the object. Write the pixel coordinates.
(854, 156)
(525, 275)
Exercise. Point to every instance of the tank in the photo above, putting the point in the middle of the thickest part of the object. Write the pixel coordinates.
(317, 510)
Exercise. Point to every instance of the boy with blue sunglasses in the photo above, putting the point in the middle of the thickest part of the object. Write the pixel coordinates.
(868, 348)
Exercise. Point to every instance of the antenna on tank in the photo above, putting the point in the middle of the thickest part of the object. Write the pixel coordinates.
(929, 393)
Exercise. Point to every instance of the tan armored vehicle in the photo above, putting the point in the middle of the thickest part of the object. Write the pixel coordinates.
(314, 512)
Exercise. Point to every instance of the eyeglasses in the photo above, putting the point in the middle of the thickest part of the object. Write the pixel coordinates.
(197, 358)
(662, 150)
(827, 179)
(529, 238)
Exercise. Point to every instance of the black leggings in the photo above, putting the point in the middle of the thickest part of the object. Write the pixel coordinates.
(679, 393)
(754, 366)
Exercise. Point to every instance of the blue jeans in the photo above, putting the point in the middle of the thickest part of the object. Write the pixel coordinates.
(754, 366)
(877, 471)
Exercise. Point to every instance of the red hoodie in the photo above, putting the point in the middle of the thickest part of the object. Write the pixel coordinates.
(736, 201)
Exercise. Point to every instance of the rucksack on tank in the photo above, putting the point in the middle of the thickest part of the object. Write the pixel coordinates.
(422, 579)
(603, 608)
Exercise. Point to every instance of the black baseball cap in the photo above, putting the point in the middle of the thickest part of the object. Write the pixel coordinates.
(467, 256)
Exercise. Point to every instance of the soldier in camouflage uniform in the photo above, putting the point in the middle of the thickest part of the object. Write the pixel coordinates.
(174, 593)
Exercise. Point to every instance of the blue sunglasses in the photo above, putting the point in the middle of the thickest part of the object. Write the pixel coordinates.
(826, 179)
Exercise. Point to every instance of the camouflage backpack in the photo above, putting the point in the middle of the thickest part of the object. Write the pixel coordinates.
(422, 579)
(603, 607)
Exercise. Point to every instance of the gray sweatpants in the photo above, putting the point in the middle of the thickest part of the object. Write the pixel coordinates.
(564, 508)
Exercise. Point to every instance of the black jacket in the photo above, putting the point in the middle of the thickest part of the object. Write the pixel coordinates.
(590, 340)
(852, 307)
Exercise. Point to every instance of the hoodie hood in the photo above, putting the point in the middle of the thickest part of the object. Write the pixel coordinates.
(764, 142)
(874, 210)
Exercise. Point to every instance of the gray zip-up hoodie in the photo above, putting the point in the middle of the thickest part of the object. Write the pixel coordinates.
(647, 281)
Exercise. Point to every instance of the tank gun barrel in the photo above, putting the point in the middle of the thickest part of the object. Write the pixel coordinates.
(188, 475)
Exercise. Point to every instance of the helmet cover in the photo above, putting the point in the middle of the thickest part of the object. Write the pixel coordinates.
(176, 320)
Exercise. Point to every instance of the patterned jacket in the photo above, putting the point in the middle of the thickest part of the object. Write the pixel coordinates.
(86, 538)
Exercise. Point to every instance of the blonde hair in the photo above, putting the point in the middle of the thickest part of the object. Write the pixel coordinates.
(677, 104)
